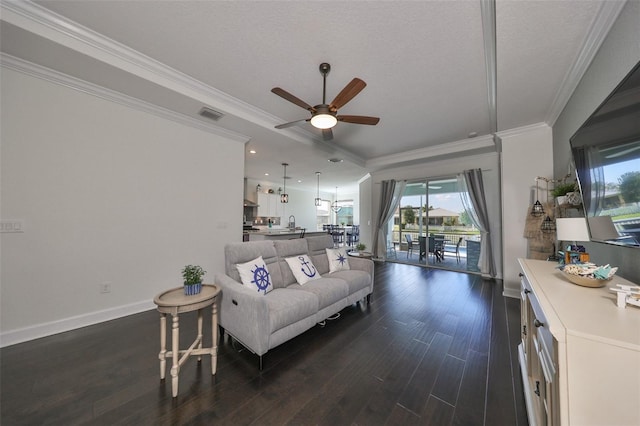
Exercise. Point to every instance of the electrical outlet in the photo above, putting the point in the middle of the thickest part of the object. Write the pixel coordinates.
(105, 287)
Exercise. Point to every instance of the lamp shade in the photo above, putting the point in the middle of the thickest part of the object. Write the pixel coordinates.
(572, 229)
(602, 228)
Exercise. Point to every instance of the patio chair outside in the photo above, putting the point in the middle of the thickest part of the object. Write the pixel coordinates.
(455, 250)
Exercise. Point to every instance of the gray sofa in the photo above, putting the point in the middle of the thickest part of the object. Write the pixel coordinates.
(260, 321)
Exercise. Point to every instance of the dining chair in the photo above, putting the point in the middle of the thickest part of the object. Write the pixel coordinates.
(410, 243)
(337, 234)
(422, 243)
(455, 249)
(353, 235)
(391, 250)
(434, 249)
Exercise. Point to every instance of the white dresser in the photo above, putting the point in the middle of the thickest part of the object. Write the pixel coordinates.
(580, 353)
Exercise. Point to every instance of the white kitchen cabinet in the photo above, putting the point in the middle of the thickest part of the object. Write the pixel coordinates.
(268, 204)
(580, 353)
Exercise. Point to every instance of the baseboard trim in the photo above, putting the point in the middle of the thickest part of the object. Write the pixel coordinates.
(511, 292)
(54, 327)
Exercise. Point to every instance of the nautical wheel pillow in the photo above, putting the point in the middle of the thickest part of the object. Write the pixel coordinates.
(255, 275)
(337, 259)
(303, 268)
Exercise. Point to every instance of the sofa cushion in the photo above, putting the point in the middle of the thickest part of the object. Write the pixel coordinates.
(240, 252)
(289, 248)
(317, 251)
(255, 275)
(338, 259)
(302, 268)
(356, 280)
(327, 290)
(288, 306)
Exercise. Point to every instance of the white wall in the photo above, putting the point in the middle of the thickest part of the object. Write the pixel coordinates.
(366, 212)
(108, 194)
(489, 163)
(526, 154)
(618, 54)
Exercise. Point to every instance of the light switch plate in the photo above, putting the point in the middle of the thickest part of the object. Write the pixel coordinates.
(11, 226)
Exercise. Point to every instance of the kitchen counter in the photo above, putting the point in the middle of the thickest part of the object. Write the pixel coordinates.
(280, 234)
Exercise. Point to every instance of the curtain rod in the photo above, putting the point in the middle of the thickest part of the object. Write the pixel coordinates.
(430, 178)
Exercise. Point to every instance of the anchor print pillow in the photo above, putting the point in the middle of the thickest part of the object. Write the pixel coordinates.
(303, 269)
(255, 275)
(337, 259)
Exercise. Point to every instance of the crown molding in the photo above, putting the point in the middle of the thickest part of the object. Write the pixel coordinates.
(59, 29)
(56, 77)
(432, 151)
(364, 178)
(523, 130)
(41, 21)
(602, 23)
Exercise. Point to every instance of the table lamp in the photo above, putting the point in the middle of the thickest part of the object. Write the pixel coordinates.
(573, 229)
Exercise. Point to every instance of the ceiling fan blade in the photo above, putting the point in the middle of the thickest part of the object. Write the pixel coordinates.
(327, 134)
(354, 87)
(288, 96)
(285, 125)
(358, 119)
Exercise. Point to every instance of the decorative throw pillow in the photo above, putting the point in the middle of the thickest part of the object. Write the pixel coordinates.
(338, 259)
(303, 268)
(255, 275)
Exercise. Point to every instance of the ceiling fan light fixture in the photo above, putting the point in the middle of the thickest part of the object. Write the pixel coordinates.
(324, 116)
(323, 121)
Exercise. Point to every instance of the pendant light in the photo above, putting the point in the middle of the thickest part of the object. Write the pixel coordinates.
(284, 197)
(548, 225)
(537, 209)
(335, 207)
(318, 201)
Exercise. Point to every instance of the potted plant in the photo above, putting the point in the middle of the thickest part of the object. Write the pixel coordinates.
(192, 275)
(561, 191)
(361, 247)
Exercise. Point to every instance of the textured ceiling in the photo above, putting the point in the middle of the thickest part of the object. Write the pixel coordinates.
(423, 62)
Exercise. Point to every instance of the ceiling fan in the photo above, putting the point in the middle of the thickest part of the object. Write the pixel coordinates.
(324, 116)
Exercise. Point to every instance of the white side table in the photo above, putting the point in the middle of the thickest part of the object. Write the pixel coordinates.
(175, 302)
(361, 254)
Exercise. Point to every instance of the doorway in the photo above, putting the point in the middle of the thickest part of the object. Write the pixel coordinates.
(431, 227)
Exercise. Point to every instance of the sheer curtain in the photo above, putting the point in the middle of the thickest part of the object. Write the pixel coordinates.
(471, 190)
(390, 194)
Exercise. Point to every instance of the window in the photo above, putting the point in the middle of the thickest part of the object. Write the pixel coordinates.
(345, 215)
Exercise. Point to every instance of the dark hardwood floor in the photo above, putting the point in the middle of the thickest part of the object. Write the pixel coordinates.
(434, 347)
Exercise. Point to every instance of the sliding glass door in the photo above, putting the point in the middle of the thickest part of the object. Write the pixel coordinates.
(432, 228)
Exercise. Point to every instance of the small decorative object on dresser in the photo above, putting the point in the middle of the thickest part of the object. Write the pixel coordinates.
(589, 274)
(361, 247)
(192, 275)
(627, 295)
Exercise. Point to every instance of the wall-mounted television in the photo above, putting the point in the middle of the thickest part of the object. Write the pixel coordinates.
(606, 153)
